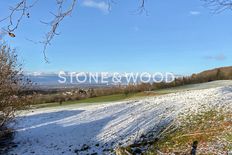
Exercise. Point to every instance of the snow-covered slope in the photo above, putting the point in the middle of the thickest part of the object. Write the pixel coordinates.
(55, 131)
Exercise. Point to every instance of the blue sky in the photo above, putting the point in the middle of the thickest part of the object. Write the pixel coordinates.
(176, 36)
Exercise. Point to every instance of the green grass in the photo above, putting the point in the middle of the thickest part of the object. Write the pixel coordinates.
(228, 138)
(100, 99)
(112, 98)
(109, 98)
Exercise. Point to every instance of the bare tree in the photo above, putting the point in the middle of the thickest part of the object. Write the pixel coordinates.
(23, 8)
(12, 85)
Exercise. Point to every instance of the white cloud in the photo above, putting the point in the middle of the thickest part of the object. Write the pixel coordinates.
(219, 57)
(100, 5)
(194, 13)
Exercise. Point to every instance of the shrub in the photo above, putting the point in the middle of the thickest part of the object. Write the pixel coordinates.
(12, 86)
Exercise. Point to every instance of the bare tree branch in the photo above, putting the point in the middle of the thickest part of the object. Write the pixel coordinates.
(54, 24)
(142, 8)
(218, 6)
(22, 10)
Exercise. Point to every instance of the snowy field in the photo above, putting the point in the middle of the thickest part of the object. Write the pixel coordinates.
(200, 86)
(100, 128)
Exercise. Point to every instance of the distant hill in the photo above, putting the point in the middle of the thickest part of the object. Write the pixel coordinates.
(222, 73)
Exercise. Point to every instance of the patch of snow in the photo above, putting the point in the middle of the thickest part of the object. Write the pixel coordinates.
(102, 127)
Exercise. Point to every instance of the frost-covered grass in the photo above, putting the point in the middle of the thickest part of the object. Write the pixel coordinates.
(211, 128)
(103, 127)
